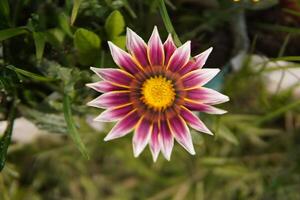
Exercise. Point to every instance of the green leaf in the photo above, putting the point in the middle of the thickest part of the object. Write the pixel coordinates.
(29, 74)
(12, 32)
(52, 122)
(86, 40)
(55, 37)
(226, 133)
(64, 24)
(114, 24)
(88, 45)
(120, 41)
(75, 10)
(39, 41)
(4, 8)
(72, 130)
(6, 138)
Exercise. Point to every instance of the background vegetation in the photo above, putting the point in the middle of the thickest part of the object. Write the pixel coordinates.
(46, 49)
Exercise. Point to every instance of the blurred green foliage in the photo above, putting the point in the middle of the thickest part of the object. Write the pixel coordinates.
(46, 49)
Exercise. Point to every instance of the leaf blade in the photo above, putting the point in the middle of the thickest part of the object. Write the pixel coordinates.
(12, 32)
(72, 130)
(114, 24)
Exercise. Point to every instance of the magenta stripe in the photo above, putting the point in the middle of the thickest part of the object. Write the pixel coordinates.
(123, 127)
(116, 76)
(169, 48)
(112, 99)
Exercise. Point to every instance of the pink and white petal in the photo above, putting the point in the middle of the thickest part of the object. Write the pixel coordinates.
(104, 86)
(182, 134)
(123, 59)
(124, 126)
(169, 48)
(196, 63)
(137, 47)
(154, 142)
(201, 59)
(188, 67)
(114, 114)
(141, 136)
(116, 76)
(198, 106)
(180, 57)
(166, 140)
(194, 121)
(198, 77)
(207, 96)
(111, 99)
(155, 49)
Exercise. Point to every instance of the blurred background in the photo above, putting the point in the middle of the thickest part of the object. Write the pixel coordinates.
(50, 148)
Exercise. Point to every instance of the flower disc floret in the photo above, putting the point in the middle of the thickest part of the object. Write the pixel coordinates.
(158, 92)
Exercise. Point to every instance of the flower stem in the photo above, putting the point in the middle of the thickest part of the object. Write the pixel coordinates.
(167, 21)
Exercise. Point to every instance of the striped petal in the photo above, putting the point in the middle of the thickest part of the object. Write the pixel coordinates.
(123, 127)
(166, 140)
(114, 114)
(141, 136)
(117, 76)
(137, 47)
(154, 142)
(200, 59)
(123, 59)
(196, 63)
(169, 48)
(155, 49)
(104, 86)
(180, 57)
(111, 99)
(198, 77)
(182, 133)
(207, 96)
(194, 121)
(197, 106)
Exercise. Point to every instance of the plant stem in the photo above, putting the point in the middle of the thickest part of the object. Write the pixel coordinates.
(167, 21)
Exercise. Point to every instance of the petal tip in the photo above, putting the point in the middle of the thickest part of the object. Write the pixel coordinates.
(108, 138)
(90, 85)
(209, 50)
(192, 152)
(94, 69)
(91, 103)
(100, 119)
(136, 152)
(221, 112)
(155, 158)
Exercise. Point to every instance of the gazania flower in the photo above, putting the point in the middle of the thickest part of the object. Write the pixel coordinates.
(154, 93)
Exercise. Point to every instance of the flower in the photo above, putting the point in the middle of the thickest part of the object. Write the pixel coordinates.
(154, 93)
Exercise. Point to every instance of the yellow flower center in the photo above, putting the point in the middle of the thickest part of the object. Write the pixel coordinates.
(158, 92)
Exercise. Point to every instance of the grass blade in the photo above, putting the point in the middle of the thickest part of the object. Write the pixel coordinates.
(72, 130)
(75, 10)
(30, 74)
(39, 42)
(12, 32)
(6, 138)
